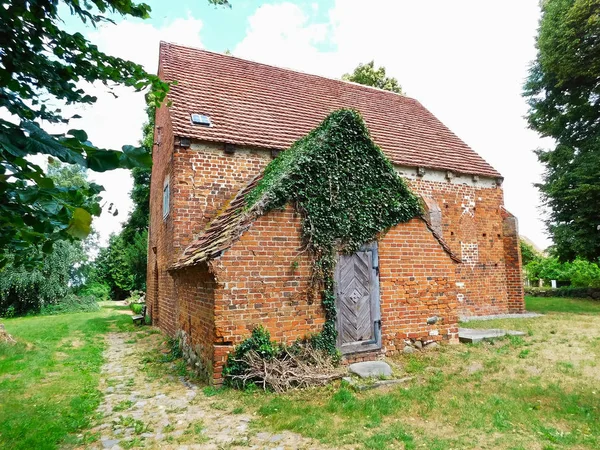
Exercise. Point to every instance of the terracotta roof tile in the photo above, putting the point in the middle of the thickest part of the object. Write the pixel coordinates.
(263, 106)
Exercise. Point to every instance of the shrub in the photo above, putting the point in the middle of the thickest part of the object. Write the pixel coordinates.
(136, 307)
(71, 303)
(569, 292)
(259, 342)
(96, 289)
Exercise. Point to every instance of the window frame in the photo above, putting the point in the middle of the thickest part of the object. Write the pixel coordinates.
(166, 198)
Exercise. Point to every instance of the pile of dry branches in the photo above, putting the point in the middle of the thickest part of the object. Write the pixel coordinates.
(298, 368)
(5, 337)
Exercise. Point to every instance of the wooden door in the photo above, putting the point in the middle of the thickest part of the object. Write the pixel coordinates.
(357, 301)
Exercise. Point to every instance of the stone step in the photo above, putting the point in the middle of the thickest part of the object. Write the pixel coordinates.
(473, 335)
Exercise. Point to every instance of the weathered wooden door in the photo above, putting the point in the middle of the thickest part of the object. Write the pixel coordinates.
(357, 301)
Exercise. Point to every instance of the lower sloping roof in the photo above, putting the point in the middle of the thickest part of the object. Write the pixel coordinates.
(220, 234)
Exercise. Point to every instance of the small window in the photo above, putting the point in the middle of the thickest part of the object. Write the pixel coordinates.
(200, 119)
(166, 198)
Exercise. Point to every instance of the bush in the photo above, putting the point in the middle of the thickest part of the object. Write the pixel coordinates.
(569, 292)
(136, 307)
(71, 303)
(260, 342)
(96, 289)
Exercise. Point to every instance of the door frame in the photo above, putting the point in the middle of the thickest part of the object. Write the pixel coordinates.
(375, 303)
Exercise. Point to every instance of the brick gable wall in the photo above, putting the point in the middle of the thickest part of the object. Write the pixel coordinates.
(253, 279)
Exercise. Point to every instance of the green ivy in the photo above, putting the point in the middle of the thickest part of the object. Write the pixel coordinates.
(347, 193)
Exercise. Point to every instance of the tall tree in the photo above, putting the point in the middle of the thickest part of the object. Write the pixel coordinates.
(563, 92)
(367, 74)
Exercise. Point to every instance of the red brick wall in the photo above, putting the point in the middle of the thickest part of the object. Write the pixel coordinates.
(255, 280)
(417, 282)
(514, 274)
(195, 293)
(472, 225)
(160, 296)
(263, 279)
(206, 179)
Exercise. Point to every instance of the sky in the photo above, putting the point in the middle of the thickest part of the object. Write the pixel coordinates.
(465, 60)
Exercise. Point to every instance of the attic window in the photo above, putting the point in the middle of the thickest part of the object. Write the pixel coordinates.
(199, 119)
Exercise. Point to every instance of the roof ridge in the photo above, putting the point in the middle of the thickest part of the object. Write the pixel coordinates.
(264, 106)
(340, 80)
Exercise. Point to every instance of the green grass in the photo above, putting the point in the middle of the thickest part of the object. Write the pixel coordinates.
(546, 305)
(49, 379)
(537, 391)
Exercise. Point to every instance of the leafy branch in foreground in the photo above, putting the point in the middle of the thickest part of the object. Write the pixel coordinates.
(43, 69)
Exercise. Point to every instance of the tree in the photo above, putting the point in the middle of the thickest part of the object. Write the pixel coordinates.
(44, 68)
(528, 253)
(140, 193)
(367, 74)
(563, 92)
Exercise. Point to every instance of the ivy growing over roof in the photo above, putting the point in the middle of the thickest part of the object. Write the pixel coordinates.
(346, 191)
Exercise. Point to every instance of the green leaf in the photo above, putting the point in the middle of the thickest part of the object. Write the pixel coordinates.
(78, 134)
(81, 224)
(103, 160)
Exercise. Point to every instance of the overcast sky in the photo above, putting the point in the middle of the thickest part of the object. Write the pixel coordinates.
(465, 60)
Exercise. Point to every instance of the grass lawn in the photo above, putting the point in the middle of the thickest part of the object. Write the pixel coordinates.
(49, 379)
(537, 392)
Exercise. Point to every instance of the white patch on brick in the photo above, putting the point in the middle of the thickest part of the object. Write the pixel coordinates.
(434, 333)
(469, 253)
(468, 205)
(460, 297)
(460, 284)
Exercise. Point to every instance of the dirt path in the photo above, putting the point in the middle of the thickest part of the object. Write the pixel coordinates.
(141, 410)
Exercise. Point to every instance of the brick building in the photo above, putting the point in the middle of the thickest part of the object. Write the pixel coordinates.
(213, 274)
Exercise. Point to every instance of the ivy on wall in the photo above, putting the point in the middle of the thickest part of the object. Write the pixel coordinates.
(347, 193)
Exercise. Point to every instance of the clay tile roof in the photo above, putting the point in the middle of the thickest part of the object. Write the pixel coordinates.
(263, 106)
(222, 231)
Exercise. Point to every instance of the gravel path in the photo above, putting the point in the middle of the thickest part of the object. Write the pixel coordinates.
(146, 411)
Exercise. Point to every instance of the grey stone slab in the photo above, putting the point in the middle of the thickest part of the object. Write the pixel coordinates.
(369, 369)
(109, 443)
(527, 315)
(472, 335)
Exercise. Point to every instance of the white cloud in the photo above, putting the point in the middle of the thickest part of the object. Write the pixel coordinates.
(112, 122)
(464, 60)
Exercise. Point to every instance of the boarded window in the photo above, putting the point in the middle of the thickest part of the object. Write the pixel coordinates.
(166, 198)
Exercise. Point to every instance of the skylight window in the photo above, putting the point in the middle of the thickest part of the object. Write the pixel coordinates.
(200, 119)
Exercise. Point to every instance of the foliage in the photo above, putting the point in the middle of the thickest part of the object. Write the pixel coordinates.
(71, 303)
(579, 273)
(528, 252)
(136, 308)
(347, 192)
(96, 289)
(563, 90)
(367, 74)
(592, 293)
(140, 194)
(122, 266)
(260, 342)
(27, 291)
(43, 68)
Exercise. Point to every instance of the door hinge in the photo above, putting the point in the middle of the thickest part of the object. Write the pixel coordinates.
(378, 323)
(377, 270)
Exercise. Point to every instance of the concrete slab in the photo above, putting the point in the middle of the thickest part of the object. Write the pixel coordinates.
(472, 335)
(527, 315)
(368, 369)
